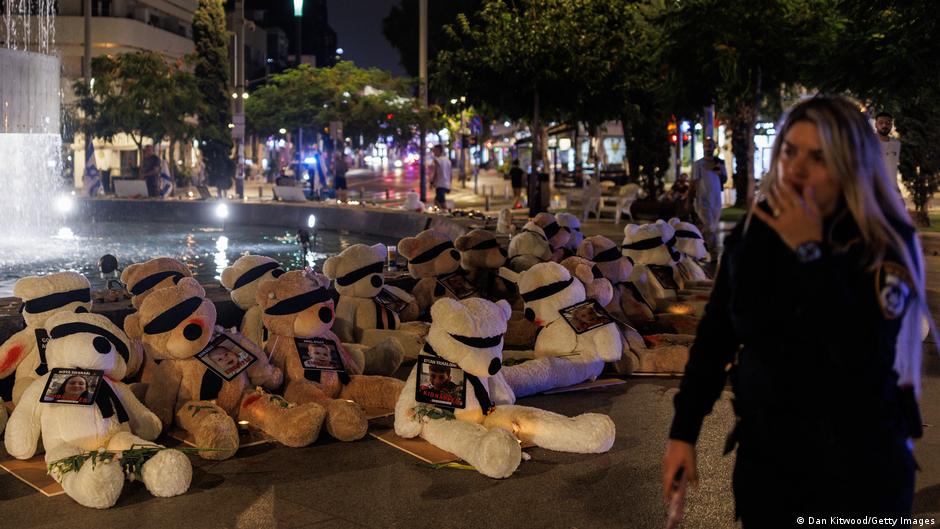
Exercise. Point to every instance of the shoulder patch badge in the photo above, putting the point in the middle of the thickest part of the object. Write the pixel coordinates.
(894, 287)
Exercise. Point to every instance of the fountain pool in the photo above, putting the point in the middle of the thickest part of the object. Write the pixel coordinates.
(207, 250)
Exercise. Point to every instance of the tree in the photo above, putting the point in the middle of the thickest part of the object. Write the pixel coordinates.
(739, 53)
(138, 94)
(212, 78)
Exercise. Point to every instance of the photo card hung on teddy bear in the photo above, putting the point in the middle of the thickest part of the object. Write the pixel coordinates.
(225, 357)
(390, 301)
(441, 383)
(72, 386)
(319, 354)
(457, 284)
(586, 315)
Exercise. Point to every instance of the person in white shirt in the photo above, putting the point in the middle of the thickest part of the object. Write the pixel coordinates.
(440, 176)
(708, 177)
(890, 147)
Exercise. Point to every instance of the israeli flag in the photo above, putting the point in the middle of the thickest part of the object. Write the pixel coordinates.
(91, 178)
(166, 180)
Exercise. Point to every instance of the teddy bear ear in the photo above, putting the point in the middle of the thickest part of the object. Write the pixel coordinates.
(406, 247)
(381, 250)
(462, 243)
(330, 266)
(630, 229)
(191, 286)
(584, 273)
(586, 249)
(132, 326)
(445, 308)
(126, 273)
(228, 277)
(673, 221)
(505, 308)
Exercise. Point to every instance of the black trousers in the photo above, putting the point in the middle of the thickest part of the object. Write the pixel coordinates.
(777, 484)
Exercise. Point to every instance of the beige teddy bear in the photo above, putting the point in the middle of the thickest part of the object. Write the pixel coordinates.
(174, 325)
(241, 279)
(298, 312)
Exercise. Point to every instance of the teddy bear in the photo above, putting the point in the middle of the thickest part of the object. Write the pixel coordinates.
(617, 268)
(486, 432)
(528, 247)
(142, 278)
(241, 279)
(412, 202)
(175, 324)
(596, 286)
(43, 297)
(652, 248)
(555, 233)
(691, 245)
(481, 256)
(431, 255)
(504, 223)
(573, 224)
(357, 274)
(112, 420)
(3, 416)
(563, 356)
(299, 312)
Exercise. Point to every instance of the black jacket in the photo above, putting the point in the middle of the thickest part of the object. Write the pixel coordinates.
(810, 347)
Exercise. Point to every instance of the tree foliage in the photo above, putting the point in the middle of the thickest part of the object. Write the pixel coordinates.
(370, 103)
(211, 66)
(138, 94)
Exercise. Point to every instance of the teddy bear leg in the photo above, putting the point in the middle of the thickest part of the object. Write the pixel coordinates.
(211, 427)
(294, 426)
(3, 416)
(345, 420)
(493, 452)
(663, 359)
(168, 473)
(588, 433)
(549, 372)
(373, 392)
(383, 358)
(95, 485)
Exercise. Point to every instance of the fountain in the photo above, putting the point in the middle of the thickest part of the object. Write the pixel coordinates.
(30, 145)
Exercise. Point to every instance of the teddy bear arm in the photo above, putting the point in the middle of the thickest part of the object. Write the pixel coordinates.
(607, 343)
(252, 326)
(406, 424)
(14, 350)
(261, 372)
(25, 424)
(163, 391)
(344, 324)
(144, 423)
(373, 391)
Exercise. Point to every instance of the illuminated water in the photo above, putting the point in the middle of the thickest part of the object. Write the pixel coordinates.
(207, 250)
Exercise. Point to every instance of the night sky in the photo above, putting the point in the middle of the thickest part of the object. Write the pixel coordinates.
(358, 26)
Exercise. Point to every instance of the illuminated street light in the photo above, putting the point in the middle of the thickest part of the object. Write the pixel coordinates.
(234, 95)
(298, 8)
(282, 130)
(245, 95)
(339, 51)
(221, 211)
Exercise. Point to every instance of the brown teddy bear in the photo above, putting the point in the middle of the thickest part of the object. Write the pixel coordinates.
(617, 269)
(481, 256)
(431, 255)
(556, 234)
(298, 312)
(142, 278)
(176, 323)
(241, 279)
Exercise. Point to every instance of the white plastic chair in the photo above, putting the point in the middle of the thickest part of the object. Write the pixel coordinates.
(628, 195)
(592, 200)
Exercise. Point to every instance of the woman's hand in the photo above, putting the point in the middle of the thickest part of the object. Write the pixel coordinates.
(679, 454)
(796, 218)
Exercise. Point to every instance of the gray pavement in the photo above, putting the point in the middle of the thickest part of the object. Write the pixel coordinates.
(369, 484)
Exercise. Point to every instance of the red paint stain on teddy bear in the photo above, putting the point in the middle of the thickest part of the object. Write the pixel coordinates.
(249, 400)
(13, 357)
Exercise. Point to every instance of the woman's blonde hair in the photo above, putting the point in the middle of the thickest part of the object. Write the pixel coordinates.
(870, 192)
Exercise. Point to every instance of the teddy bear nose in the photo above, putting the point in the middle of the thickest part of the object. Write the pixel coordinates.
(376, 281)
(495, 366)
(455, 255)
(102, 345)
(326, 315)
(530, 314)
(192, 332)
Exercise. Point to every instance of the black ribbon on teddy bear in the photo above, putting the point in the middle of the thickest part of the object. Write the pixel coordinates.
(108, 402)
(654, 242)
(483, 396)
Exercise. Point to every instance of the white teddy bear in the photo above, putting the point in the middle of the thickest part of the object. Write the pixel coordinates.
(563, 357)
(691, 245)
(43, 296)
(116, 420)
(486, 432)
(241, 279)
(528, 247)
(573, 223)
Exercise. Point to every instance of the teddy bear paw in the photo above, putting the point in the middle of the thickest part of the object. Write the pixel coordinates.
(498, 454)
(167, 474)
(95, 485)
(346, 420)
(300, 425)
(218, 433)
